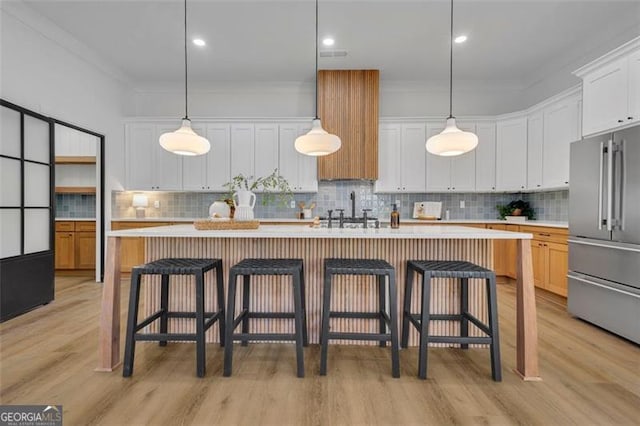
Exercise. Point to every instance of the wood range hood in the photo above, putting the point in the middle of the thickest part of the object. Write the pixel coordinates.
(348, 107)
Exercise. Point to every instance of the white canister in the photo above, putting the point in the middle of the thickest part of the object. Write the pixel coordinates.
(307, 213)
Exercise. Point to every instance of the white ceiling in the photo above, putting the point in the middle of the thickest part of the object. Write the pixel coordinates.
(516, 41)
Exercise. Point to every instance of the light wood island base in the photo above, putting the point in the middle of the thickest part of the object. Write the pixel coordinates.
(355, 291)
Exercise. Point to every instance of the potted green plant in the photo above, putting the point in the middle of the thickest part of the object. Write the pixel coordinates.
(274, 187)
(517, 208)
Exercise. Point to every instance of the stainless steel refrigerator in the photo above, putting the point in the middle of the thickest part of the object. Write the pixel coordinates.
(604, 228)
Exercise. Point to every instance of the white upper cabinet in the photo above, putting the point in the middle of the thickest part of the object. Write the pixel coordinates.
(634, 86)
(148, 165)
(486, 157)
(389, 165)
(511, 154)
(211, 170)
(463, 167)
(401, 157)
(266, 151)
(413, 157)
(167, 165)
(561, 128)
(535, 142)
(242, 149)
(451, 173)
(298, 169)
(438, 167)
(610, 91)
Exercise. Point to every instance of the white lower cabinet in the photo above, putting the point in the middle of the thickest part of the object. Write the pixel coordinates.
(300, 170)
(401, 157)
(511, 154)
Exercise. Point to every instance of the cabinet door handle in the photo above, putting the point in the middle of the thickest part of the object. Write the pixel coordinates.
(620, 121)
(629, 118)
(544, 235)
(538, 185)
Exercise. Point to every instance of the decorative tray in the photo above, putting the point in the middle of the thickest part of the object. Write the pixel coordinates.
(208, 224)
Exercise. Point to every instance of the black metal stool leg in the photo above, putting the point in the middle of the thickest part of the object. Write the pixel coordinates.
(496, 369)
(132, 322)
(382, 307)
(424, 326)
(220, 297)
(228, 334)
(246, 290)
(164, 306)
(406, 309)
(303, 293)
(298, 314)
(200, 344)
(393, 317)
(464, 310)
(324, 334)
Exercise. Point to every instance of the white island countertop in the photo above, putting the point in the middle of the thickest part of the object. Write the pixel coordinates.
(302, 231)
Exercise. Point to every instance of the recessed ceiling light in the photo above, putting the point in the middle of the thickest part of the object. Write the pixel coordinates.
(328, 41)
(460, 39)
(199, 42)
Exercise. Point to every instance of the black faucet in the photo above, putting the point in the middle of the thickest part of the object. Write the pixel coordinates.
(353, 204)
(341, 218)
(329, 225)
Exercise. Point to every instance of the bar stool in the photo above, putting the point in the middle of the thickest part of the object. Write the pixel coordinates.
(204, 320)
(375, 267)
(246, 268)
(462, 271)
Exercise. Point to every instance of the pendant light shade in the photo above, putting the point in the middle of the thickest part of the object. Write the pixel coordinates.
(185, 141)
(317, 142)
(451, 141)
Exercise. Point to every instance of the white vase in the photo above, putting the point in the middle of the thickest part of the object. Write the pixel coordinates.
(244, 205)
(219, 209)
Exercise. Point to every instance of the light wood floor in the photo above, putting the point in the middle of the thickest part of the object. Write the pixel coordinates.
(47, 357)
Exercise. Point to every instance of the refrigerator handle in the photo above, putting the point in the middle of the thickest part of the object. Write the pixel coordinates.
(610, 185)
(600, 185)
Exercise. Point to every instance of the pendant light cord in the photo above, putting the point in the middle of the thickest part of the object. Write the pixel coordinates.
(186, 86)
(451, 66)
(316, 74)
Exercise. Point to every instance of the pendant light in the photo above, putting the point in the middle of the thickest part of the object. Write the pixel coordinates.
(451, 141)
(185, 141)
(318, 141)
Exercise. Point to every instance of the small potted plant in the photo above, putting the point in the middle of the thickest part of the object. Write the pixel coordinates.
(516, 210)
(274, 188)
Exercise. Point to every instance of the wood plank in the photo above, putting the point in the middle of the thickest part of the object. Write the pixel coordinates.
(75, 160)
(109, 340)
(75, 189)
(348, 108)
(526, 322)
(591, 376)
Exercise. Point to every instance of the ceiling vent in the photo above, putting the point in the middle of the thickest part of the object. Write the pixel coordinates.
(333, 53)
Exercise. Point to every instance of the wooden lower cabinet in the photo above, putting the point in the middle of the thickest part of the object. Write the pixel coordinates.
(75, 245)
(550, 257)
(505, 252)
(65, 250)
(132, 248)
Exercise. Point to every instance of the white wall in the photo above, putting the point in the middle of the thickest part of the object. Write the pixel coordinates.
(43, 69)
(397, 99)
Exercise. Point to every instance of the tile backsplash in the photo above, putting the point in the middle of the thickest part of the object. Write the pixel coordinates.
(553, 205)
(75, 205)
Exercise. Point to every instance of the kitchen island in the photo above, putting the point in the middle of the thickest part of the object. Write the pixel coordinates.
(313, 246)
